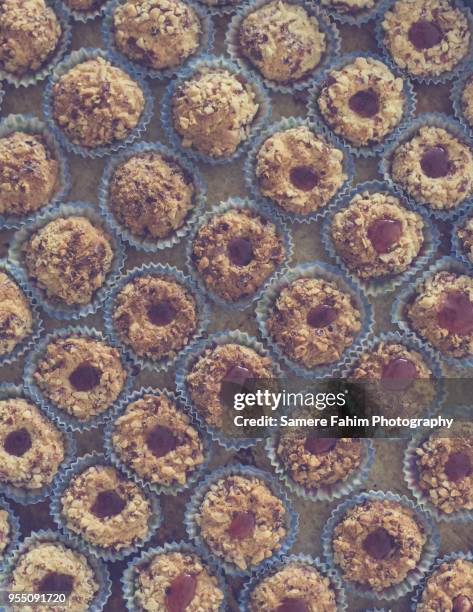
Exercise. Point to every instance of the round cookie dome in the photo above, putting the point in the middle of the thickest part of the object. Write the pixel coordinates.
(29, 34)
(282, 40)
(96, 103)
(16, 317)
(159, 34)
(28, 173)
(151, 195)
(213, 111)
(69, 258)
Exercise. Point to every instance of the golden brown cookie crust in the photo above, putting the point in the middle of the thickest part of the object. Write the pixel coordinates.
(28, 173)
(296, 580)
(39, 464)
(80, 375)
(213, 111)
(360, 566)
(157, 33)
(29, 34)
(312, 471)
(130, 441)
(44, 558)
(350, 233)
(69, 258)
(119, 531)
(282, 40)
(153, 581)
(212, 259)
(4, 531)
(204, 381)
(96, 103)
(448, 495)
(423, 312)
(441, 193)
(434, 60)
(450, 580)
(363, 74)
(16, 318)
(465, 234)
(287, 322)
(133, 316)
(408, 402)
(242, 494)
(286, 157)
(150, 195)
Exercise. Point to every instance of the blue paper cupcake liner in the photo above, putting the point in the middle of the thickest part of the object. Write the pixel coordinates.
(108, 34)
(106, 554)
(213, 62)
(13, 536)
(332, 38)
(156, 488)
(457, 90)
(272, 568)
(288, 123)
(58, 309)
(354, 19)
(187, 361)
(72, 60)
(438, 120)
(412, 343)
(162, 270)
(34, 126)
(221, 8)
(32, 338)
(325, 493)
(452, 556)
(329, 273)
(386, 283)
(84, 16)
(411, 474)
(31, 78)
(33, 496)
(59, 415)
(386, 5)
(151, 245)
(262, 211)
(193, 508)
(407, 295)
(44, 536)
(457, 249)
(429, 553)
(374, 148)
(128, 578)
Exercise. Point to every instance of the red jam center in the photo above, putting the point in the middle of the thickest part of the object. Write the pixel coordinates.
(17, 442)
(237, 374)
(161, 313)
(108, 504)
(321, 316)
(456, 313)
(365, 103)
(378, 544)
(304, 178)
(458, 466)
(384, 234)
(398, 374)
(161, 441)
(240, 251)
(292, 604)
(85, 377)
(242, 525)
(318, 446)
(425, 34)
(435, 162)
(180, 593)
(233, 382)
(462, 603)
(56, 583)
